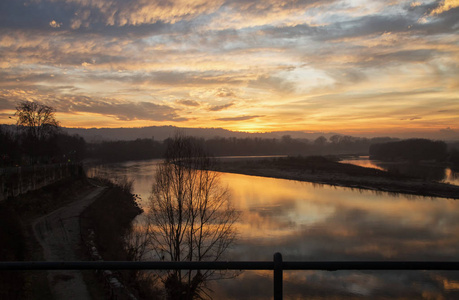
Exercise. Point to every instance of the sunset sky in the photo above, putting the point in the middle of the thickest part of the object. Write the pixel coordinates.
(348, 66)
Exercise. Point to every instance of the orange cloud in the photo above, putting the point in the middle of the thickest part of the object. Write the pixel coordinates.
(444, 6)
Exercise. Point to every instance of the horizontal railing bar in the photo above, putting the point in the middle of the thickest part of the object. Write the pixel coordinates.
(370, 265)
(230, 265)
(145, 265)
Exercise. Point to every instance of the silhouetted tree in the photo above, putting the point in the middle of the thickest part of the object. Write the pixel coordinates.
(37, 119)
(320, 141)
(190, 217)
(36, 124)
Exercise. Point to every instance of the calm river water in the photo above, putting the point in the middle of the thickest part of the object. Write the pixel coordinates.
(310, 222)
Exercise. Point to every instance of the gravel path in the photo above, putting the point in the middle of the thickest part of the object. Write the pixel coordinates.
(59, 234)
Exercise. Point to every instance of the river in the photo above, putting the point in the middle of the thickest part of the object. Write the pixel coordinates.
(306, 221)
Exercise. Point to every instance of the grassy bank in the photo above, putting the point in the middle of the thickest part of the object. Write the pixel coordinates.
(110, 218)
(16, 237)
(322, 170)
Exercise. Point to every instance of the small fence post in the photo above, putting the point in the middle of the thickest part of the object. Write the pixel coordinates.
(278, 276)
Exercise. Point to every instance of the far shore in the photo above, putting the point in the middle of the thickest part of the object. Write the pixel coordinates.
(322, 171)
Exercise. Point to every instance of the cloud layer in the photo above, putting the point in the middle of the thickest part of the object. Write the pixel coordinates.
(242, 65)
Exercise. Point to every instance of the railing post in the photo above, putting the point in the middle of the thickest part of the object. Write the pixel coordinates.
(278, 276)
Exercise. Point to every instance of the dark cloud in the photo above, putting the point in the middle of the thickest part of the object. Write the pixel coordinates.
(188, 102)
(5, 104)
(183, 78)
(291, 31)
(262, 8)
(118, 109)
(106, 17)
(446, 22)
(363, 26)
(355, 72)
(33, 15)
(173, 78)
(18, 77)
(221, 107)
(241, 118)
(357, 27)
(373, 24)
(420, 55)
(413, 118)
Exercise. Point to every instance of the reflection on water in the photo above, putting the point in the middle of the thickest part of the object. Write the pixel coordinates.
(141, 172)
(427, 171)
(309, 222)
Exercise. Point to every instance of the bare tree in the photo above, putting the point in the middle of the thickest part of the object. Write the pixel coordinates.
(38, 119)
(190, 216)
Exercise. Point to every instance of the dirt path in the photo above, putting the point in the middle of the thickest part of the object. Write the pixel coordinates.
(59, 234)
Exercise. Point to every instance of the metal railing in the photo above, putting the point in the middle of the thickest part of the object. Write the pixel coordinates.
(277, 266)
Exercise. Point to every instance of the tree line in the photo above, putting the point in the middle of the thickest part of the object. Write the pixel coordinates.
(18, 148)
(218, 146)
(416, 150)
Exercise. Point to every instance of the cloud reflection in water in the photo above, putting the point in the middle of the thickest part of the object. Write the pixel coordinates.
(311, 222)
(304, 222)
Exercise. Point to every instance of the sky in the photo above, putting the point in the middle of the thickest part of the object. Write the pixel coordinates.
(347, 66)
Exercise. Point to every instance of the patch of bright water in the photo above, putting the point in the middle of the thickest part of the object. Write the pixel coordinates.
(432, 172)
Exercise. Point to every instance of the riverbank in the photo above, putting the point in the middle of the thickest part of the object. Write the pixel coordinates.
(106, 227)
(321, 170)
(45, 225)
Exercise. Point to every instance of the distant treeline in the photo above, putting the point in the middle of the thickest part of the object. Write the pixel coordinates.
(149, 148)
(17, 148)
(415, 150)
(139, 149)
(336, 144)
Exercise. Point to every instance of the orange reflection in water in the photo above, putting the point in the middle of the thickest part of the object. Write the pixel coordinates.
(363, 162)
(369, 224)
(312, 222)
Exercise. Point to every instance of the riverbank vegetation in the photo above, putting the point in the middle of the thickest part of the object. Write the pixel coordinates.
(107, 222)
